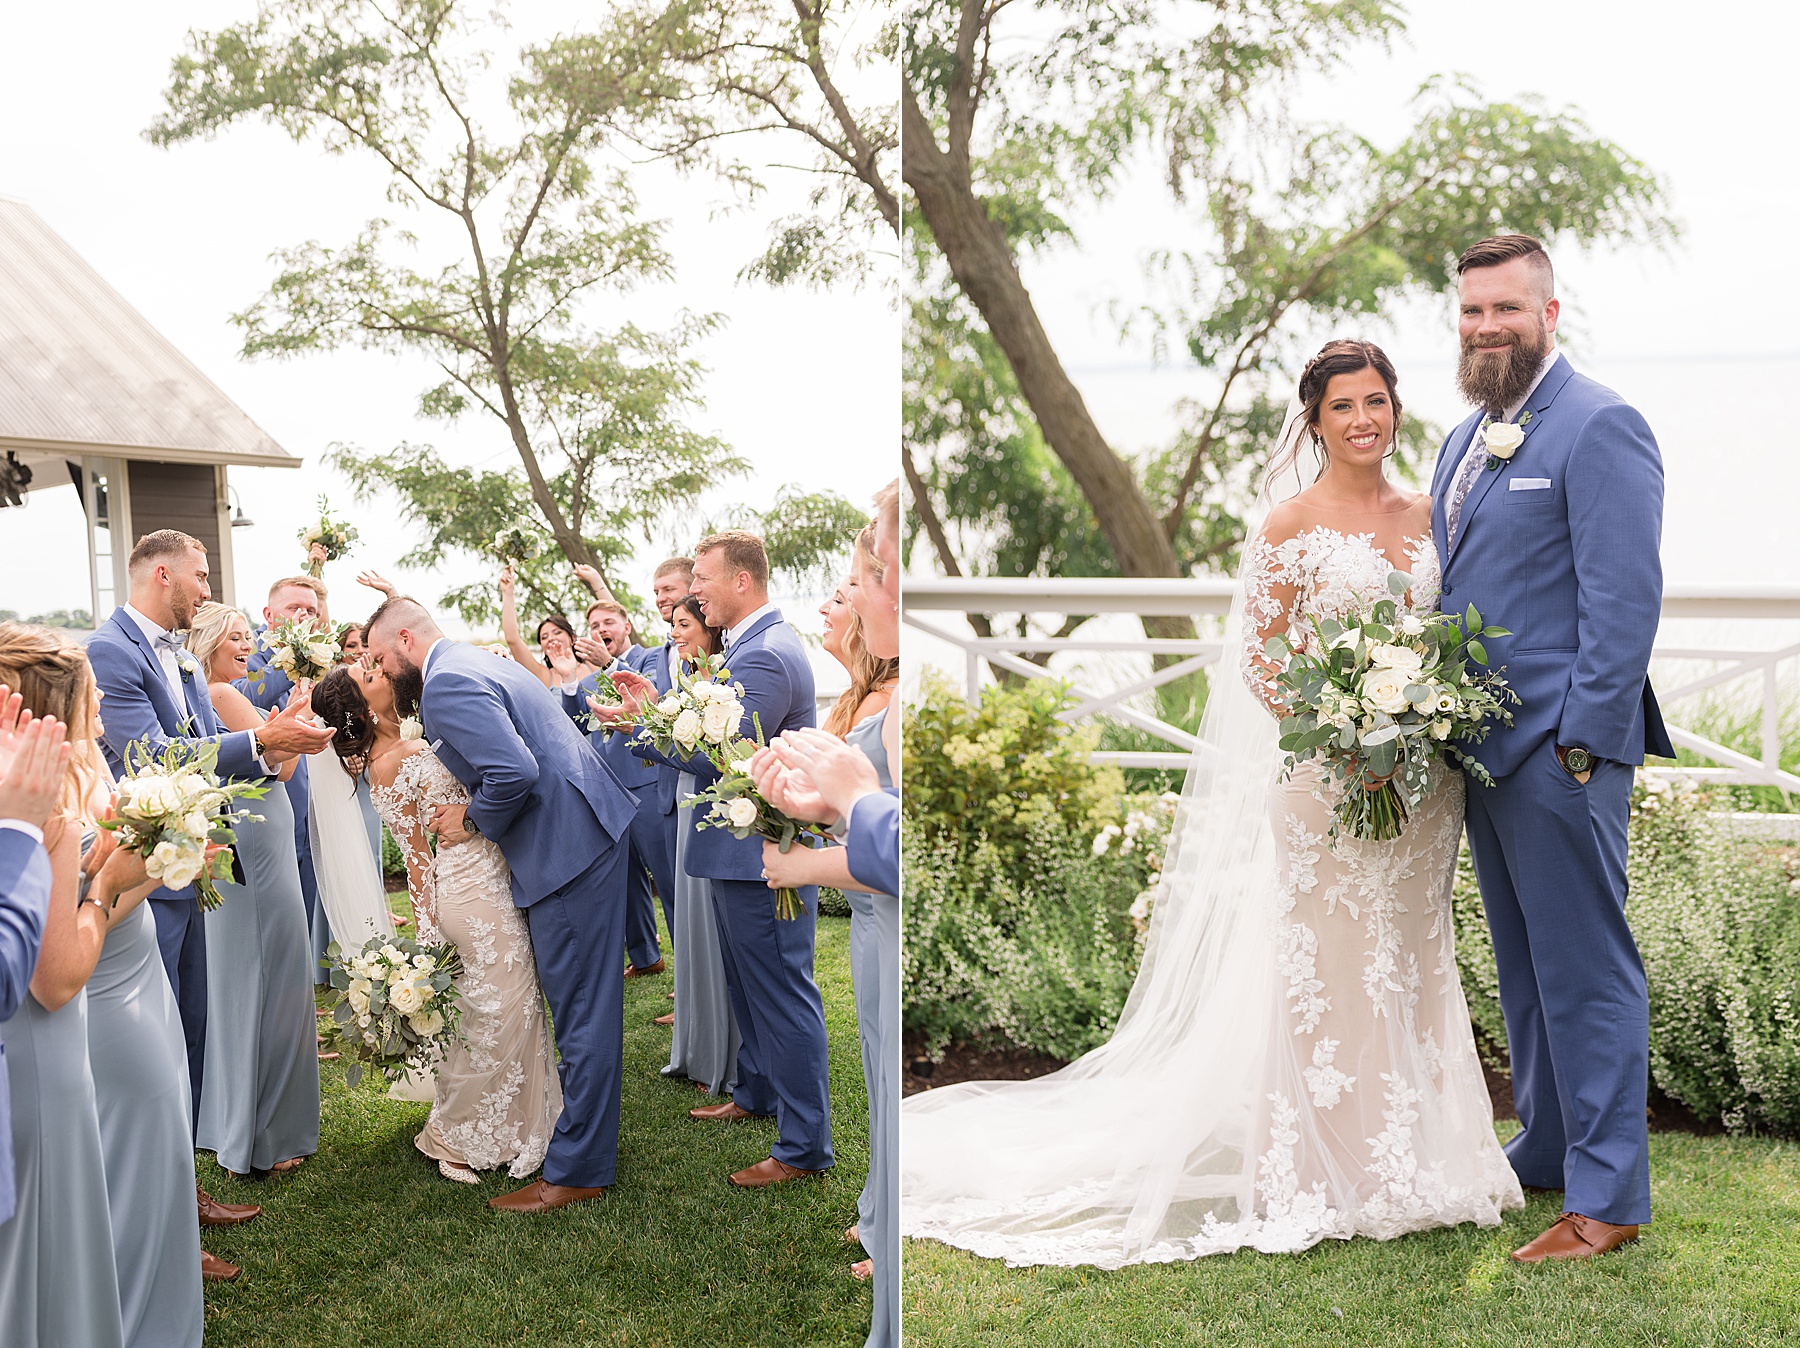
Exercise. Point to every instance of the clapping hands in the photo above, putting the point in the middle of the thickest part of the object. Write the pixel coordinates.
(34, 758)
(635, 692)
(813, 775)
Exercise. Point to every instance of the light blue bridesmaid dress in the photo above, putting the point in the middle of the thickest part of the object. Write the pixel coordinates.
(259, 1103)
(58, 1283)
(875, 974)
(706, 1041)
(139, 1059)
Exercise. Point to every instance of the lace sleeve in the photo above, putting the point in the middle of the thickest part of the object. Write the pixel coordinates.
(1272, 573)
(409, 836)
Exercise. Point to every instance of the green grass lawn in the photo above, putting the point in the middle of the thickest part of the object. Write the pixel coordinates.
(1721, 1265)
(366, 1245)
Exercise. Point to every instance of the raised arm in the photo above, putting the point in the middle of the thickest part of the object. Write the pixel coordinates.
(515, 640)
(1614, 485)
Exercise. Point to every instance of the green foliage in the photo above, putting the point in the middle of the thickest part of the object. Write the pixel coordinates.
(76, 618)
(998, 771)
(808, 535)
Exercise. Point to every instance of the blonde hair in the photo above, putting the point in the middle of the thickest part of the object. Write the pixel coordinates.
(300, 583)
(867, 673)
(51, 673)
(212, 620)
(865, 551)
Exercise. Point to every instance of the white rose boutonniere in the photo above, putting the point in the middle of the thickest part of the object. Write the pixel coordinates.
(1501, 440)
(411, 729)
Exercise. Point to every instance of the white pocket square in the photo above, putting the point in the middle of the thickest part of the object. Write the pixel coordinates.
(1529, 484)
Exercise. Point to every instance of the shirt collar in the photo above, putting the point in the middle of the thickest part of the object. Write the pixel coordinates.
(148, 626)
(430, 651)
(1512, 413)
(737, 630)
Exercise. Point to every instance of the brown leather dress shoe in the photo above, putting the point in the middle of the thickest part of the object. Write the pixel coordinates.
(632, 971)
(725, 1113)
(542, 1196)
(1573, 1236)
(215, 1269)
(215, 1213)
(769, 1171)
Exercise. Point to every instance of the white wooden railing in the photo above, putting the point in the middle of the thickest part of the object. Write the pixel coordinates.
(929, 601)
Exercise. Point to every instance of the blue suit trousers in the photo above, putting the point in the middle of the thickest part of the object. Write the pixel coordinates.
(1550, 855)
(181, 940)
(576, 933)
(782, 1064)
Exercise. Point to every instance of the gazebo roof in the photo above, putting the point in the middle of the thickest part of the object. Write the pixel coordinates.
(82, 372)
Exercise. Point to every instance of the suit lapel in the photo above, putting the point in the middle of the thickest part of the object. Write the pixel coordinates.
(757, 628)
(173, 718)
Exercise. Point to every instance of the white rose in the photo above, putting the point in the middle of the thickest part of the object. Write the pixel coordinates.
(702, 689)
(196, 825)
(184, 869)
(1502, 439)
(670, 705)
(406, 997)
(741, 812)
(1401, 659)
(363, 1020)
(391, 955)
(1440, 730)
(425, 964)
(426, 1023)
(1385, 690)
(322, 652)
(162, 856)
(411, 728)
(686, 730)
(719, 720)
(1412, 624)
(1347, 637)
(358, 994)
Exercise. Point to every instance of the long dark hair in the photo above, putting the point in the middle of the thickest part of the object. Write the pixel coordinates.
(715, 636)
(561, 624)
(338, 701)
(1343, 355)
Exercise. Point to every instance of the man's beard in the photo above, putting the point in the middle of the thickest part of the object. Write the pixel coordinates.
(408, 686)
(183, 605)
(1495, 382)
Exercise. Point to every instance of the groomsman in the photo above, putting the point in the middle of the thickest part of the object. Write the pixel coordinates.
(609, 645)
(156, 695)
(782, 1066)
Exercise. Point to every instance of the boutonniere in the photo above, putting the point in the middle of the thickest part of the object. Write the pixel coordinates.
(1501, 439)
(188, 666)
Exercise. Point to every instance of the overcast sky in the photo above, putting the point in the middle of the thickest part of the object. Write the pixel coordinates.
(804, 384)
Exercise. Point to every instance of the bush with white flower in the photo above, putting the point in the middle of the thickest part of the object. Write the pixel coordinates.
(1142, 840)
(299, 650)
(394, 1005)
(1388, 696)
(170, 807)
(332, 535)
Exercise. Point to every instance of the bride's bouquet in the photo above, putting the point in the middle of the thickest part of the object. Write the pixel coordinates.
(300, 651)
(393, 1006)
(1384, 697)
(333, 535)
(173, 811)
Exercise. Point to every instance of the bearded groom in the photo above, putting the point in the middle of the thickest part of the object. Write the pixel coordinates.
(1547, 511)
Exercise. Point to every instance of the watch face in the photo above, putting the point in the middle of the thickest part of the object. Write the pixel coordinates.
(1579, 760)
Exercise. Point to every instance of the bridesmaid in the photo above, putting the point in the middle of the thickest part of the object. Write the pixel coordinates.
(259, 1104)
(706, 1042)
(874, 929)
(560, 667)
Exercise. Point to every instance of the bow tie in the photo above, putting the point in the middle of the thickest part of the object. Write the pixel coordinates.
(173, 640)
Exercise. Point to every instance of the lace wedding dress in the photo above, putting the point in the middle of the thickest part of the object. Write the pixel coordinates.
(1295, 1062)
(498, 1096)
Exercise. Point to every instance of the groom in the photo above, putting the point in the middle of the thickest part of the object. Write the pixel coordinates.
(1553, 531)
(561, 820)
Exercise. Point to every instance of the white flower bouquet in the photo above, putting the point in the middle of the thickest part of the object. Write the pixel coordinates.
(172, 808)
(517, 543)
(300, 651)
(1385, 697)
(393, 1006)
(736, 804)
(334, 536)
(701, 712)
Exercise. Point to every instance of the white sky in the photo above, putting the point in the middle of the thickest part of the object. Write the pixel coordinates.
(804, 384)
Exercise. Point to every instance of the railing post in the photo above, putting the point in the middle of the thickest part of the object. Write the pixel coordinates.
(1771, 719)
(973, 679)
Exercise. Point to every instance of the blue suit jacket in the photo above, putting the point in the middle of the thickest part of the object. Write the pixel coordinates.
(873, 843)
(534, 786)
(1573, 568)
(24, 900)
(778, 691)
(138, 709)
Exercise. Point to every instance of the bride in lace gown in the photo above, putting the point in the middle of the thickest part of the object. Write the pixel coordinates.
(498, 1096)
(1295, 1062)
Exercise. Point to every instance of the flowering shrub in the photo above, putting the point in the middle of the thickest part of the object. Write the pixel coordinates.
(1142, 841)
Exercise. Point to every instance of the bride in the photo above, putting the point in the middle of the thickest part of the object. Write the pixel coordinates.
(498, 1096)
(1295, 1061)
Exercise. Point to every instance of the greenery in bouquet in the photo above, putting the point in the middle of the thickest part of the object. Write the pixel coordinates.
(393, 1006)
(1381, 698)
(335, 536)
(517, 543)
(733, 802)
(701, 712)
(299, 650)
(172, 807)
(606, 693)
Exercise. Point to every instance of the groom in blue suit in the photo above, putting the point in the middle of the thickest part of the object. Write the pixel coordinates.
(562, 821)
(1553, 531)
(782, 1064)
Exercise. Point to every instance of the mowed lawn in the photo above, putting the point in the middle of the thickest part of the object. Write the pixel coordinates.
(1720, 1266)
(366, 1245)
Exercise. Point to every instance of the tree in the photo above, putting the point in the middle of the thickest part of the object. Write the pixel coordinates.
(1303, 221)
(530, 223)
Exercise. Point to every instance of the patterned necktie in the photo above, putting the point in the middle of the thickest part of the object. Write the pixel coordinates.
(1466, 472)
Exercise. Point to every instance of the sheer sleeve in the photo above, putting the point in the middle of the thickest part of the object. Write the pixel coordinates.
(409, 835)
(1272, 573)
